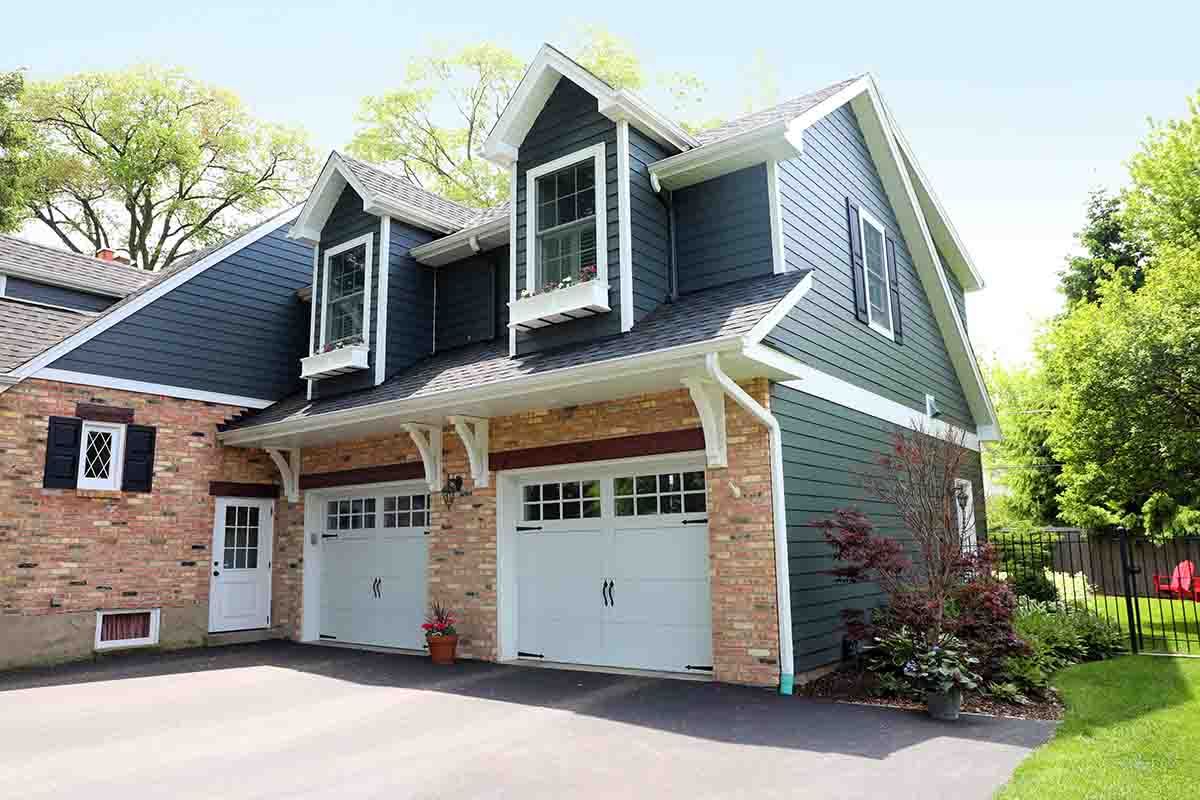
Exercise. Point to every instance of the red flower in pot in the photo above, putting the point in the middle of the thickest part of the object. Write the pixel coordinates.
(440, 634)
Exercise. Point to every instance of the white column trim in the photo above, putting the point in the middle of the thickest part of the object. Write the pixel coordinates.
(778, 253)
(474, 433)
(512, 253)
(312, 311)
(385, 250)
(624, 229)
(428, 439)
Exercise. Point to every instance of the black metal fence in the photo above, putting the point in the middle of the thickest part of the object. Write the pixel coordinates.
(1152, 590)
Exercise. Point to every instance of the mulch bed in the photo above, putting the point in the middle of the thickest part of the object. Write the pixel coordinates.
(850, 685)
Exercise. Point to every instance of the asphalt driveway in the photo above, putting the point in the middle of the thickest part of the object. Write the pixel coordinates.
(278, 720)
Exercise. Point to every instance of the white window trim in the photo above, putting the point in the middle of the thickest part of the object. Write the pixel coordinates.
(369, 240)
(152, 639)
(865, 219)
(973, 537)
(597, 154)
(3, 284)
(113, 482)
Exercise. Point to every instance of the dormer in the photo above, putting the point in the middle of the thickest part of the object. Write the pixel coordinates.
(589, 236)
(372, 302)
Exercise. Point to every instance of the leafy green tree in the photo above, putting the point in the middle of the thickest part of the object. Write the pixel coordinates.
(13, 141)
(152, 161)
(1023, 459)
(432, 128)
(1162, 205)
(1111, 249)
(1126, 424)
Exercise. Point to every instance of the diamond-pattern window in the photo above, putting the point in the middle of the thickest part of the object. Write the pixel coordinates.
(100, 454)
(97, 455)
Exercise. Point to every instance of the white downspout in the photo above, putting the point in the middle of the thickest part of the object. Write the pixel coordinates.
(783, 583)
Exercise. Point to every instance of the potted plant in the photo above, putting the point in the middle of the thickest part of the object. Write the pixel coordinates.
(440, 634)
(943, 670)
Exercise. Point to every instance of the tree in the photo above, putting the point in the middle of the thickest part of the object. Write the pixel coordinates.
(432, 128)
(13, 141)
(152, 161)
(1028, 467)
(1162, 205)
(1111, 249)
(1126, 424)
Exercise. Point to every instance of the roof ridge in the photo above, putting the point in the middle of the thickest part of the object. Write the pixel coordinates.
(58, 251)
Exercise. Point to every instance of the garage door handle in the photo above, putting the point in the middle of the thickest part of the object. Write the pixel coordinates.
(604, 592)
(611, 601)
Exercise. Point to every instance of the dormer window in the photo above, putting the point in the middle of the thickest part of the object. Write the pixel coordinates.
(565, 240)
(345, 309)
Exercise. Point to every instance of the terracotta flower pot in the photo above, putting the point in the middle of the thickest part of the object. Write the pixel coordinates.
(441, 648)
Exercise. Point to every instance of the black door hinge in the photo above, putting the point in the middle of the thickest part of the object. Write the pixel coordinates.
(700, 667)
(329, 535)
(523, 654)
(326, 636)
(696, 521)
(524, 528)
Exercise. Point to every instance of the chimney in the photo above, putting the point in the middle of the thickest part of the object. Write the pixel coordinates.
(121, 259)
(106, 254)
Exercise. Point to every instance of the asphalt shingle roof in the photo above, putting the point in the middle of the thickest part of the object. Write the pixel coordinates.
(399, 189)
(38, 262)
(784, 111)
(717, 313)
(27, 329)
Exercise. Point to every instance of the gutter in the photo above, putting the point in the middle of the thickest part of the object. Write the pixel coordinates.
(783, 584)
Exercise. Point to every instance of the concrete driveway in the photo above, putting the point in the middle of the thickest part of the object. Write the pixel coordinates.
(282, 720)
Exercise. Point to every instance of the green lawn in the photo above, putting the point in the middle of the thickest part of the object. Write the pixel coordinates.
(1132, 731)
(1168, 625)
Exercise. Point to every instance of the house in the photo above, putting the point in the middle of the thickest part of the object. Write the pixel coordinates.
(596, 421)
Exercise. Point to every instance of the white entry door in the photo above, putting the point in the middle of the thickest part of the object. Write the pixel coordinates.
(612, 569)
(240, 590)
(373, 568)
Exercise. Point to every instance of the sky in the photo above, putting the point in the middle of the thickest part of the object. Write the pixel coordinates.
(1015, 111)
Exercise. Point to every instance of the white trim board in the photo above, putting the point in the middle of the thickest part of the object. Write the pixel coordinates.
(181, 392)
(512, 253)
(624, 226)
(778, 253)
(103, 323)
(385, 255)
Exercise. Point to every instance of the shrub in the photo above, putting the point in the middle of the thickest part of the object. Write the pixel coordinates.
(1056, 638)
(1009, 692)
(1035, 586)
(905, 665)
(982, 615)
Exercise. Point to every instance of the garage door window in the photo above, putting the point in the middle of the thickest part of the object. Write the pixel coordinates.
(406, 511)
(351, 514)
(664, 493)
(562, 500)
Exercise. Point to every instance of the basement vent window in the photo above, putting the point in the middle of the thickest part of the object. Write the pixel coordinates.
(126, 628)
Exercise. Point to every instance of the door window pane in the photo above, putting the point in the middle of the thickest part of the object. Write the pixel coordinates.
(665, 493)
(241, 539)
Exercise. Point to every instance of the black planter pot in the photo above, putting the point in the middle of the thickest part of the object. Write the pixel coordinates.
(944, 705)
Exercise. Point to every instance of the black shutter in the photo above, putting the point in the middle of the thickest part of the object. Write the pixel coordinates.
(138, 475)
(894, 284)
(62, 453)
(857, 277)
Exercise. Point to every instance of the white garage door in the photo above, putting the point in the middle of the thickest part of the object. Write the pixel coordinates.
(613, 569)
(373, 568)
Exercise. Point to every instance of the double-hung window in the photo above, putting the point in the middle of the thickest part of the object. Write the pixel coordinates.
(102, 448)
(566, 199)
(875, 275)
(347, 292)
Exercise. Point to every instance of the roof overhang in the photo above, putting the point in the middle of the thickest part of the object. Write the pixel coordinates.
(549, 66)
(334, 178)
(463, 244)
(777, 141)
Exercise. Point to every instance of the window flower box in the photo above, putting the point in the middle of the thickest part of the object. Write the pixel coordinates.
(336, 361)
(562, 304)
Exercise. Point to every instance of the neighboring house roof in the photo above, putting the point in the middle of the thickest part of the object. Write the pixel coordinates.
(37, 262)
(785, 111)
(714, 314)
(27, 329)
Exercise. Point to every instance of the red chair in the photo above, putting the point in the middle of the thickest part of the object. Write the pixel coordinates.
(1182, 581)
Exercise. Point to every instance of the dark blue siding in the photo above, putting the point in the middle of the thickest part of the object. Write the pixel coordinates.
(723, 230)
(410, 300)
(22, 289)
(828, 450)
(648, 226)
(822, 330)
(466, 302)
(231, 329)
(348, 221)
(569, 122)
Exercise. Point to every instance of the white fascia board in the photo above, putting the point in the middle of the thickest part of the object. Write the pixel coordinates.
(885, 153)
(843, 393)
(775, 141)
(142, 387)
(779, 311)
(458, 245)
(539, 82)
(107, 321)
(596, 372)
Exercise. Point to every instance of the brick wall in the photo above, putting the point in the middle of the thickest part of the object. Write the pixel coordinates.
(64, 551)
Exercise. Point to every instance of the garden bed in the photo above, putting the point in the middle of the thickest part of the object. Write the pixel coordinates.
(848, 684)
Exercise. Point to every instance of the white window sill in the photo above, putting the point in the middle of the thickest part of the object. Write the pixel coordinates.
(882, 331)
(350, 358)
(560, 305)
